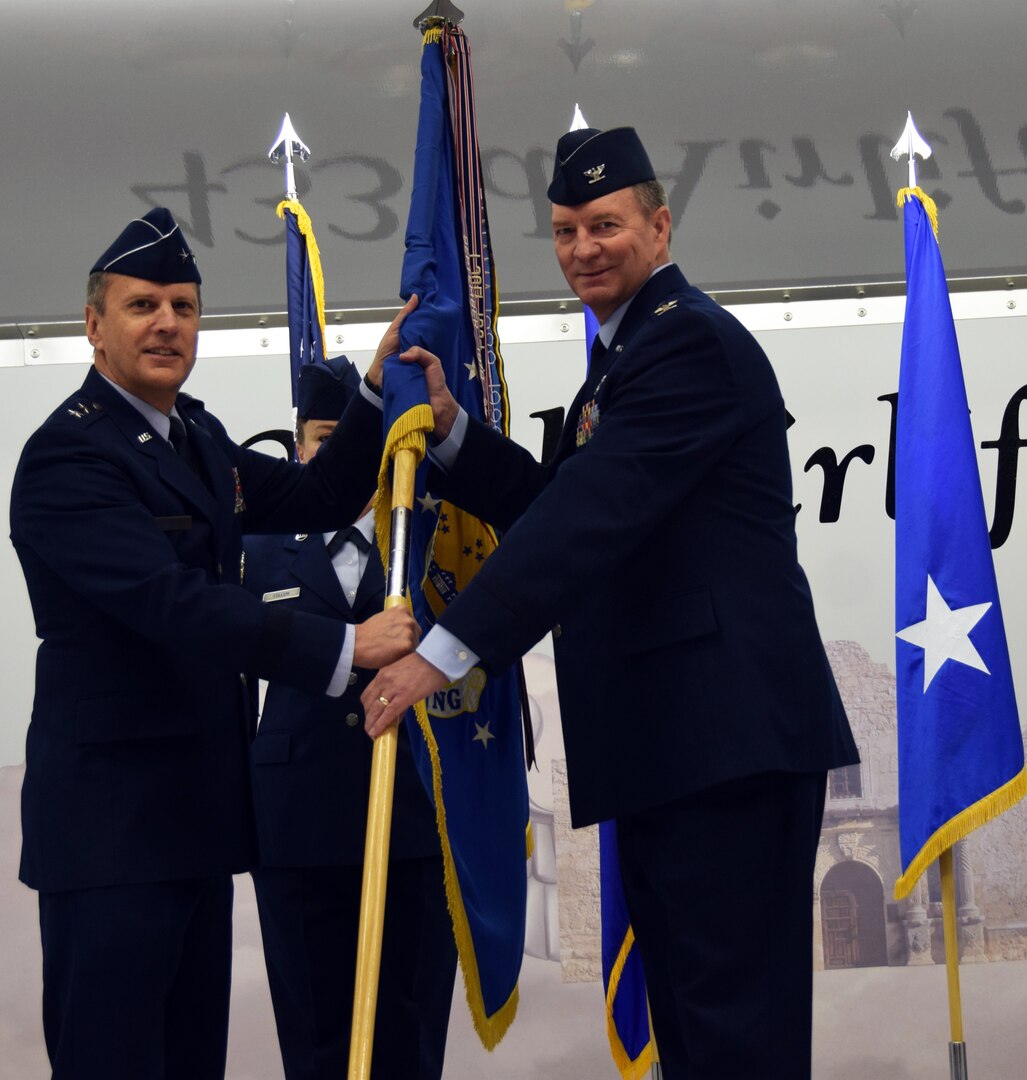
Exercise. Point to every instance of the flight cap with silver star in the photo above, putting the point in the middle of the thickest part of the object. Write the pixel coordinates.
(152, 248)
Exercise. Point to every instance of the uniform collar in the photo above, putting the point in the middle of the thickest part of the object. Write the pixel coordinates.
(160, 422)
(609, 328)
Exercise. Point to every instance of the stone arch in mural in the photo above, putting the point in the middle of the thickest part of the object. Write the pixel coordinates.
(852, 917)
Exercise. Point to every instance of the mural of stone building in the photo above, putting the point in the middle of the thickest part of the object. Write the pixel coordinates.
(857, 923)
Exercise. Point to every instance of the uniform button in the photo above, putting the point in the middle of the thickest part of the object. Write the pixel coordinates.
(351, 562)
(352, 719)
(351, 595)
(352, 678)
(461, 654)
(557, 630)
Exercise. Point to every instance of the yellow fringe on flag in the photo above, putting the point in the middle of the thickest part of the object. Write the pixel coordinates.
(407, 433)
(642, 1065)
(963, 823)
(928, 203)
(490, 1029)
(313, 259)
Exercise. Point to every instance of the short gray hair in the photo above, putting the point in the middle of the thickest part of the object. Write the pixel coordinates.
(651, 197)
(96, 292)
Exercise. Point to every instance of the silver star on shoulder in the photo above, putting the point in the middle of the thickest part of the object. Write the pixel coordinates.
(945, 634)
(428, 504)
(483, 734)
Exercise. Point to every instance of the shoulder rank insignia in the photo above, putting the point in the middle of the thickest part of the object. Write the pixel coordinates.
(664, 308)
(588, 421)
(595, 174)
(240, 502)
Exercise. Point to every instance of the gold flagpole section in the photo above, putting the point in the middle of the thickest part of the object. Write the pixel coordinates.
(957, 1048)
(379, 805)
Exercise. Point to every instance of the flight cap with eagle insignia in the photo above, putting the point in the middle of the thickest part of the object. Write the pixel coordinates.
(591, 163)
(151, 247)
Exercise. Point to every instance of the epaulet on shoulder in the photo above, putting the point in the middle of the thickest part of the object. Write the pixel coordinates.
(188, 403)
(79, 408)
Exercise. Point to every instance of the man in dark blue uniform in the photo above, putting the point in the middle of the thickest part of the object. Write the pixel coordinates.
(698, 707)
(127, 513)
(311, 777)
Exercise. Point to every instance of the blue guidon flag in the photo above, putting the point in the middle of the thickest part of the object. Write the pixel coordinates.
(467, 743)
(305, 290)
(961, 758)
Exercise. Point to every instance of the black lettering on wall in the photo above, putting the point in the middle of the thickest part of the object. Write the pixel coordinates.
(834, 476)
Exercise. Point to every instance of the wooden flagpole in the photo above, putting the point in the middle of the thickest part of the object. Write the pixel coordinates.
(957, 1048)
(379, 805)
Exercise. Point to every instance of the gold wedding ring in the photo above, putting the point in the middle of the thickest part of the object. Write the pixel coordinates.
(383, 700)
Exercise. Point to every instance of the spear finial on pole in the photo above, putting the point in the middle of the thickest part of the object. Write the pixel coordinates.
(910, 143)
(285, 146)
(578, 122)
(439, 9)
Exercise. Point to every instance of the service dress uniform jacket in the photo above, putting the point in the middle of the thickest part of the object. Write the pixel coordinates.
(137, 751)
(661, 545)
(697, 704)
(311, 757)
(311, 767)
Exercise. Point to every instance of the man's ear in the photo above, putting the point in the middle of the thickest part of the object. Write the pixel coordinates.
(661, 222)
(92, 325)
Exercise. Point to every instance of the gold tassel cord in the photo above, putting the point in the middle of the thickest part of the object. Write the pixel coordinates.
(313, 260)
(929, 204)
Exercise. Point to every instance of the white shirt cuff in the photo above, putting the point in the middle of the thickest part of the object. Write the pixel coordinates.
(446, 652)
(444, 453)
(340, 680)
(369, 395)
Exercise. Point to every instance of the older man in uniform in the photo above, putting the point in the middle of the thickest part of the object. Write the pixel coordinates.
(311, 775)
(127, 513)
(698, 707)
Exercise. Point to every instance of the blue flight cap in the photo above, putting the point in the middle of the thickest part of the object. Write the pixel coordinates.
(324, 390)
(152, 247)
(591, 163)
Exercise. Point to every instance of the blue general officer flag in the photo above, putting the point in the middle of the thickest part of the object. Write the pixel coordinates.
(960, 748)
(467, 741)
(304, 283)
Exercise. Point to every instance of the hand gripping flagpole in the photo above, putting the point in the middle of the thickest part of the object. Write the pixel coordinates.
(911, 143)
(379, 807)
